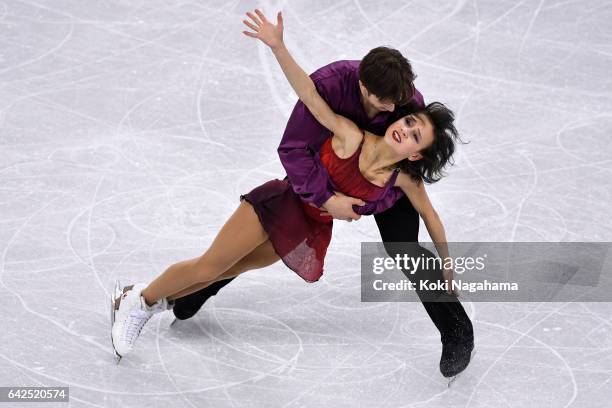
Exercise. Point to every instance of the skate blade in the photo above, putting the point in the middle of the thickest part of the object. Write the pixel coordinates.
(173, 322)
(452, 379)
(116, 293)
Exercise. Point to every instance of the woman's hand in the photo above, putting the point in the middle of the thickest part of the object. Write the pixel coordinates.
(268, 33)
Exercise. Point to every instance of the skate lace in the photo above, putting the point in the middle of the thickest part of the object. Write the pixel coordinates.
(136, 321)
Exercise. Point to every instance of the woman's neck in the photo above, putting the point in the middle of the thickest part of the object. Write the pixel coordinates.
(381, 157)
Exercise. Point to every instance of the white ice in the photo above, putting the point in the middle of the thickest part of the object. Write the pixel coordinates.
(128, 129)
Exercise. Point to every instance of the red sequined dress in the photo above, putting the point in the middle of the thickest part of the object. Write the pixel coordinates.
(299, 234)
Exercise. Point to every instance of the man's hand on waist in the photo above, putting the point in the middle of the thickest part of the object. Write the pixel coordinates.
(340, 207)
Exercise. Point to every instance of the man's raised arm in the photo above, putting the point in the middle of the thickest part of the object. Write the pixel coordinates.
(304, 136)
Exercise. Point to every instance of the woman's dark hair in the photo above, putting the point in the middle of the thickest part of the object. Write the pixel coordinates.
(386, 73)
(437, 155)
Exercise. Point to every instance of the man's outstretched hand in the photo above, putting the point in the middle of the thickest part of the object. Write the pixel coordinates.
(268, 33)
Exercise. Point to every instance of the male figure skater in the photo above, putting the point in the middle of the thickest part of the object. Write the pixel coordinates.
(367, 92)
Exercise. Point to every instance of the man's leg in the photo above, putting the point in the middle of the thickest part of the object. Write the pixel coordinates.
(400, 223)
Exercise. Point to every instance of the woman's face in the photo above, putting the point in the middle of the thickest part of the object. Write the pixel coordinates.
(409, 135)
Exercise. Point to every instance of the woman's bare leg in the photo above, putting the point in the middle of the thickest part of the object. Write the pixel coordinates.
(262, 256)
(241, 234)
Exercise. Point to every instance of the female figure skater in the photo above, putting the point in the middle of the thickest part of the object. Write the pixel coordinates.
(273, 223)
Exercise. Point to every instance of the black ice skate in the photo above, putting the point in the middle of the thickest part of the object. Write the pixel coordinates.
(187, 306)
(456, 356)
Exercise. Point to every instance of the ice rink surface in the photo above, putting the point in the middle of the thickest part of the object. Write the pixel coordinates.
(128, 129)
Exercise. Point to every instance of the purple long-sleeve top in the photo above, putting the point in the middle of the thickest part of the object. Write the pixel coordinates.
(338, 84)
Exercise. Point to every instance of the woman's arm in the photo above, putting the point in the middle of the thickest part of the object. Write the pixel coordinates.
(420, 201)
(272, 36)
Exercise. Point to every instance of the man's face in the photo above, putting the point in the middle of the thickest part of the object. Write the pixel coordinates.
(381, 105)
(375, 102)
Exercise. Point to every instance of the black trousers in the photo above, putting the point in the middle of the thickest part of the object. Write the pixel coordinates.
(400, 223)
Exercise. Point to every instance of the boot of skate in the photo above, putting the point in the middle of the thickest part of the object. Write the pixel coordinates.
(131, 314)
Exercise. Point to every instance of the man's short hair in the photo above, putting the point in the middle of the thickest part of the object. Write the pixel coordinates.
(386, 73)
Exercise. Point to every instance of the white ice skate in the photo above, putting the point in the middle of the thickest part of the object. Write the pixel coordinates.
(130, 314)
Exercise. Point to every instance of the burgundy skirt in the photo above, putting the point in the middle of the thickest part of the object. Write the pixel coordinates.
(299, 234)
